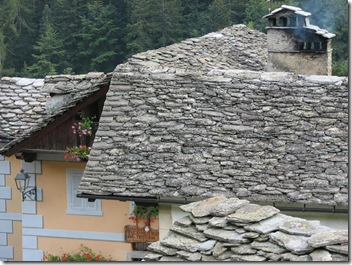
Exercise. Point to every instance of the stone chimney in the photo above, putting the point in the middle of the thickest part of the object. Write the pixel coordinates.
(294, 45)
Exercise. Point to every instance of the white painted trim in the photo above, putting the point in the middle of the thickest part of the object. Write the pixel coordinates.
(73, 234)
(5, 193)
(6, 226)
(32, 255)
(30, 242)
(30, 220)
(11, 216)
(71, 176)
(6, 252)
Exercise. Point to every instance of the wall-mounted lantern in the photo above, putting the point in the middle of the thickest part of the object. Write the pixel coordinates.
(22, 184)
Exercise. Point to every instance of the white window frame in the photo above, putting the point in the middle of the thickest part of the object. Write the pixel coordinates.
(73, 177)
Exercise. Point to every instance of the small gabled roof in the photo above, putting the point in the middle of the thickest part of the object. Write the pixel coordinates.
(295, 10)
(28, 109)
(319, 31)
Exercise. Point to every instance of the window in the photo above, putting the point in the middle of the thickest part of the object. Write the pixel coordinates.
(293, 21)
(76, 205)
(283, 21)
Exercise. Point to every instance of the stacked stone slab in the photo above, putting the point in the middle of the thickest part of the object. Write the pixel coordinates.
(231, 229)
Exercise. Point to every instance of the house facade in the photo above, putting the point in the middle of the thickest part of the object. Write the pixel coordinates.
(36, 128)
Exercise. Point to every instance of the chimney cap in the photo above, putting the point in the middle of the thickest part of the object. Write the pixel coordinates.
(296, 10)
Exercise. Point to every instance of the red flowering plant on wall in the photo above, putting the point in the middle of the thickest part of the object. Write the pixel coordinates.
(84, 254)
(83, 130)
(144, 214)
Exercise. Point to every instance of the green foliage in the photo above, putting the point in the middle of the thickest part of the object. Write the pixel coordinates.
(144, 214)
(340, 68)
(84, 254)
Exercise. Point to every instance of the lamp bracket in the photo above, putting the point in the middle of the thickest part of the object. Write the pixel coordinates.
(30, 194)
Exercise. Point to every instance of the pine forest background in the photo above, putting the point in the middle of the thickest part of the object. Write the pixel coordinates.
(41, 37)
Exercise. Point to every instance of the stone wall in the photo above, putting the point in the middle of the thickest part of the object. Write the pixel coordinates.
(261, 136)
(221, 229)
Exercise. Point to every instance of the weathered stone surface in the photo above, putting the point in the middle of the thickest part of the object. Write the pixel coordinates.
(206, 207)
(152, 257)
(296, 244)
(268, 225)
(252, 213)
(320, 255)
(301, 227)
(184, 221)
(189, 256)
(218, 249)
(180, 242)
(293, 257)
(201, 220)
(171, 259)
(206, 246)
(268, 247)
(237, 242)
(253, 258)
(228, 206)
(225, 235)
(330, 237)
(244, 250)
(189, 231)
(218, 222)
(158, 248)
(342, 249)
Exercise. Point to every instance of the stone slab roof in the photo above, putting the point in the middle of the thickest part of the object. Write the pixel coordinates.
(221, 229)
(22, 105)
(261, 136)
(236, 47)
(28, 105)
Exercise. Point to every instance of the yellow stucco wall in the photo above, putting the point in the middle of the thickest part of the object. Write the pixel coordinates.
(54, 206)
(53, 209)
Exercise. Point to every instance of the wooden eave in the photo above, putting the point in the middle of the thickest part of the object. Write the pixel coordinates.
(18, 147)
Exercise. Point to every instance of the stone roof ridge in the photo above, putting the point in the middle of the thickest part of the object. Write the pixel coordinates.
(62, 84)
(246, 232)
(236, 46)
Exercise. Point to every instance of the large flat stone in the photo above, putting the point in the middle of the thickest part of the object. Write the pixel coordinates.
(189, 256)
(268, 225)
(158, 248)
(302, 227)
(268, 247)
(244, 250)
(296, 244)
(228, 206)
(320, 255)
(327, 238)
(252, 213)
(174, 240)
(342, 249)
(205, 207)
(225, 235)
(189, 207)
(190, 231)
